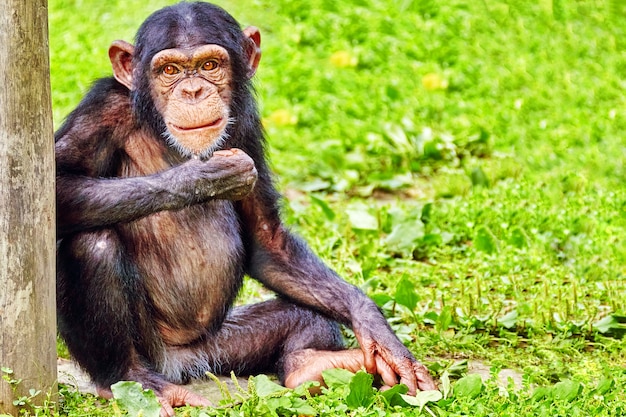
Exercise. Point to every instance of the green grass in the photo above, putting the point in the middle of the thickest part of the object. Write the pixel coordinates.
(472, 150)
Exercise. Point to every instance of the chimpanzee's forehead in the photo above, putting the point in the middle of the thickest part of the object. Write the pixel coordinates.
(188, 25)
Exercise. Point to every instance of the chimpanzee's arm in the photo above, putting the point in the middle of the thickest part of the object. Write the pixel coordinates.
(285, 264)
(85, 202)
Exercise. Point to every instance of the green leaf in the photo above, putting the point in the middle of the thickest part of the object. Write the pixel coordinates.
(468, 386)
(518, 238)
(361, 219)
(393, 395)
(612, 325)
(398, 138)
(131, 396)
(509, 320)
(422, 398)
(604, 386)
(567, 390)
(381, 299)
(404, 236)
(479, 178)
(446, 386)
(337, 377)
(427, 212)
(361, 392)
(301, 407)
(274, 403)
(406, 294)
(605, 324)
(540, 393)
(445, 319)
(328, 212)
(485, 241)
(265, 387)
(458, 368)
(619, 319)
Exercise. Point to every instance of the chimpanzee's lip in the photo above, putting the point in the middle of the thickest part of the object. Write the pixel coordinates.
(214, 123)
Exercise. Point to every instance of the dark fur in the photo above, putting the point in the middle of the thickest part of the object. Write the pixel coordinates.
(138, 247)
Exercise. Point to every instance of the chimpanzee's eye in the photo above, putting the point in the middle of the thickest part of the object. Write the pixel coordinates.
(210, 65)
(170, 69)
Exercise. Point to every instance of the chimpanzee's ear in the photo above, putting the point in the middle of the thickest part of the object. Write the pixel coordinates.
(253, 48)
(121, 56)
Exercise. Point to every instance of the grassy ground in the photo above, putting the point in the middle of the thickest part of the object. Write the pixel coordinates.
(463, 162)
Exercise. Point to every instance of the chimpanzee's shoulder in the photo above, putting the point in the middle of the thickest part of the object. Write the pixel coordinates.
(104, 94)
(106, 106)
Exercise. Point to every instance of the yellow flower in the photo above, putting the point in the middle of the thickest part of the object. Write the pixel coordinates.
(433, 81)
(281, 117)
(343, 59)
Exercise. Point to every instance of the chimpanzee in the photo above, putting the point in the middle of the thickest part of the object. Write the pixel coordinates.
(165, 201)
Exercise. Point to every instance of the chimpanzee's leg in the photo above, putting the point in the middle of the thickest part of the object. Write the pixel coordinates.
(102, 308)
(273, 336)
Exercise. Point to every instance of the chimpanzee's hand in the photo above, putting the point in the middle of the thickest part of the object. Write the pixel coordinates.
(240, 173)
(388, 357)
(228, 175)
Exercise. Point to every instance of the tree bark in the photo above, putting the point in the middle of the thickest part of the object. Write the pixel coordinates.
(27, 212)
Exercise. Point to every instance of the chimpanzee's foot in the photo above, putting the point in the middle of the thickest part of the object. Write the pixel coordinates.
(170, 396)
(308, 365)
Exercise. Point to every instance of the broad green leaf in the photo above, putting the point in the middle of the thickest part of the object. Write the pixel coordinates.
(567, 390)
(432, 150)
(540, 393)
(337, 377)
(518, 238)
(361, 391)
(381, 299)
(607, 325)
(274, 403)
(509, 320)
(485, 241)
(611, 326)
(427, 212)
(422, 398)
(361, 219)
(303, 389)
(405, 293)
(431, 317)
(445, 319)
(479, 178)
(468, 386)
(604, 386)
(619, 319)
(433, 239)
(301, 407)
(393, 395)
(131, 396)
(404, 236)
(266, 387)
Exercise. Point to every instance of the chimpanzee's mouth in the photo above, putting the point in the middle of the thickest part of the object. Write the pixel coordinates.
(214, 123)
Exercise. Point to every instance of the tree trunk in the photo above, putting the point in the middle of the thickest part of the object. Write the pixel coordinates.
(27, 213)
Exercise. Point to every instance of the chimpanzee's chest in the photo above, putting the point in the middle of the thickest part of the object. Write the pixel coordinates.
(191, 262)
